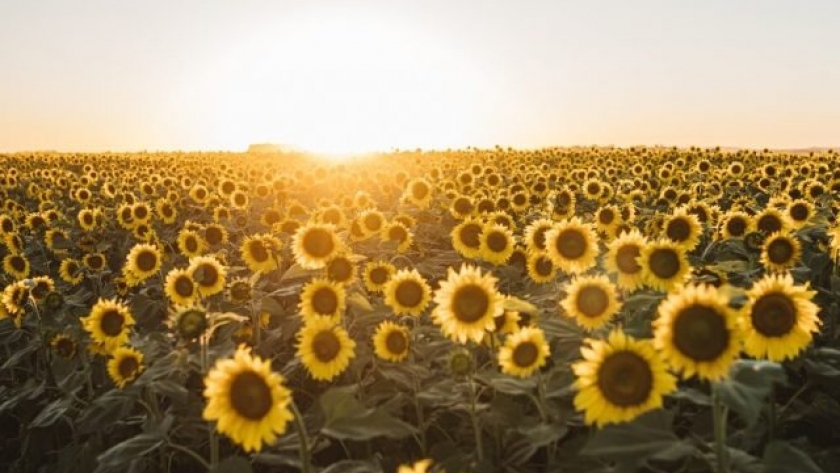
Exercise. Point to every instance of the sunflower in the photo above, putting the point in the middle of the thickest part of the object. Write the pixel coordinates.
(467, 304)
(57, 240)
(377, 274)
(341, 269)
(541, 268)
(70, 271)
(188, 322)
(108, 323)
(771, 220)
(622, 259)
(619, 379)
(215, 234)
(420, 466)
(125, 365)
(407, 292)
(209, 274)
(260, 252)
(247, 399)
(16, 266)
(607, 219)
(466, 237)
(572, 245)
(323, 298)
(64, 346)
(180, 287)
(780, 252)
(779, 319)
(736, 224)
(535, 234)
(683, 229)
(591, 301)
(419, 193)
(462, 207)
(497, 244)
(391, 342)
(41, 286)
(325, 349)
(799, 212)
(166, 211)
(142, 262)
(239, 291)
(697, 332)
(191, 243)
(314, 244)
(524, 352)
(664, 265)
(398, 233)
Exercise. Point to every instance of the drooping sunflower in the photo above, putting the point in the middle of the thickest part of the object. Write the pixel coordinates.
(16, 266)
(180, 287)
(541, 268)
(407, 292)
(191, 243)
(779, 319)
(377, 274)
(248, 400)
(697, 332)
(325, 349)
(109, 323)
(261, 252)
(619, 379)
(524, 352)
(622, 259)
(467, 304)
(323, 298)
(142, 262)
(572, 245)
(780, 252)
(125, 365)
(683, 229)
(391, 342)
(497, 244)
(664, 265)
(466, 237)
(591, 301)
(188, 322)
(314, 244)
(209, 274)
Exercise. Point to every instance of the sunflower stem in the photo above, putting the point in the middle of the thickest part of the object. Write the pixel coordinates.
(303, 440)
(719, 419)
(771, 415)
(479, 444)
(205, 368)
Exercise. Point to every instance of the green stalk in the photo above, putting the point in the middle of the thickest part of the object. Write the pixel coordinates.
(719, 412)
(479, 444)
(205, 368)
(303, 439)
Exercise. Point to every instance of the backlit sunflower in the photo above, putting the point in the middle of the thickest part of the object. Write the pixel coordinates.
(314, 244)
(248, 400)
(391, 342)
(780, 252)
(180, 287)
(108, 323)
(323, 298)
(466, 237)
(325, 349)
(261, 252)
(209, 274)
(619, 379)
(664, 265)
(407, 292)
(572, 245)
(125, 365)
(697, 332)
(143, 261)
(591, 301)
(398, 233)
(524, 352)
(377, 274)
(467, 304)
(497, 244)
(419, 193)
(779, 319)
(622, 259)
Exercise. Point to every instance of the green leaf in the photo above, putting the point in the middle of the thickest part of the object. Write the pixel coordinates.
(359, 302)
(782, 457)
(519, 305)
(368, 424)
(633, 441)
(352, 466)
(52, 413)
(748, 385)
(233, 465)
(508, 384)
(337, 403)
(129, 450)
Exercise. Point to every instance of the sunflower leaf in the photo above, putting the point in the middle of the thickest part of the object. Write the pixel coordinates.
(129, 450)
(233, 465)
(633, 441)
(781, 457)
(748, 384)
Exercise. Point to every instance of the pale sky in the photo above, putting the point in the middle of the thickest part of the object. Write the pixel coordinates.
(363, 75)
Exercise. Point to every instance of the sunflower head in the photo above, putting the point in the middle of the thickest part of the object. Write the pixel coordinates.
(524, 352)
(391, 342)
(591, 301)
(315, 244)
(188, 322)
(325, 349)
(407, 292)
(125, 365)
(467, 304)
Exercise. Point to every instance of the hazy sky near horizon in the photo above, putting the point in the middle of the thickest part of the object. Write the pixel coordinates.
(359, 75)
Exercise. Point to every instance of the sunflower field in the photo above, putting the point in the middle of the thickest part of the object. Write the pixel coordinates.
(481, 310)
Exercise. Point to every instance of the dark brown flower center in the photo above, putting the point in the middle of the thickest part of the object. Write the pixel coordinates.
(379, 276)
(497, 242)
(780, 250)
(700, 333)
(592, 301)
(409, 293)
(736, 226)
(17, 263)
(250, 396)
(128, 367)
(470, 303)
(625, 379)
(258, 251)
(184, 286)
(799, 212)
(325, 301)
(326, 346)
(664, 263)
(769, 223)
(571, 244)
(206, 275)
(606, 216)
(340, 269)
(470, 235)
(543, 266)
(147, 260)
(678, 229)
(525, 354)
(112, 322)
(773, 315)
(318, 242)
(626, 259)
(396, 342)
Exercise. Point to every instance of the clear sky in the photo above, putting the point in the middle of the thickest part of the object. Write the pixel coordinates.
(360, 75)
